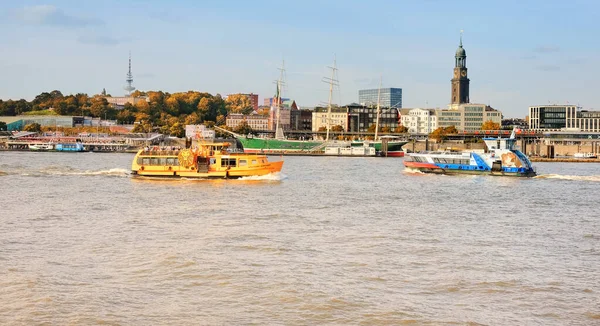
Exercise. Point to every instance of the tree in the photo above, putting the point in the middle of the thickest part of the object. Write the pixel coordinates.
(33, 127)
(440, 133)
(401, 129)
(243, 128)
(3, 126)
(239, 103)
(490, 125)
(386, 129)
(177, 130)
(337, 128)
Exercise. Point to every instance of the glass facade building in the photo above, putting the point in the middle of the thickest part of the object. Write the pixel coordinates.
(389, 98)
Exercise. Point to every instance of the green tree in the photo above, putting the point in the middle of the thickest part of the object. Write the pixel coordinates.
(33, 127)
(3, 126)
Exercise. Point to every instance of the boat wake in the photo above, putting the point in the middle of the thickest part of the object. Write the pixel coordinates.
(592, 178)
(277, 176)
(68, 171)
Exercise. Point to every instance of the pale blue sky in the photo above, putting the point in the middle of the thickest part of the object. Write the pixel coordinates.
(519, 53)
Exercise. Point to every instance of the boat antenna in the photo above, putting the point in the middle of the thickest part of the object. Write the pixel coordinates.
(378, 110)
(332, 82)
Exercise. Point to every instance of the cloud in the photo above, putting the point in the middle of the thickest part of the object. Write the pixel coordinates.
(546, 49)
(548, 68)
(51, 16)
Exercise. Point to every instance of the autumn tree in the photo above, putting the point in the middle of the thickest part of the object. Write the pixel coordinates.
(239, 103)
(401, 129)
(3, 126)
(337, 128)
(490, 125)
(243, 128)
(33, 127)
(441, 133)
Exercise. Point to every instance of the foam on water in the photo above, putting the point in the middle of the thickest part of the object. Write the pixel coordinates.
(593, 178)
(277, 176)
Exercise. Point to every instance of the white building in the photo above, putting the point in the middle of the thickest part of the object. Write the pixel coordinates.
(419, 121)
(544, 117)
(199, 132)
(339, 117)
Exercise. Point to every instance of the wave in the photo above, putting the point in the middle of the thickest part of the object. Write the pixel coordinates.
(593, 178)
(68, 171)
(277, 176)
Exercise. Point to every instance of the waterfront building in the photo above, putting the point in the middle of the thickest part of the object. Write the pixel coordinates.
(389, 97)
(301, 119)
(418, 120)
(255, 121)
(339, 117)
(544, 117)
(361, 117)
(14, 123)
(468, 116)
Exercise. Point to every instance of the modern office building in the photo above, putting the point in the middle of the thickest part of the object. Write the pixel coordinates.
(468, 116)
(361, 117)
(567, 116)
(389, 97)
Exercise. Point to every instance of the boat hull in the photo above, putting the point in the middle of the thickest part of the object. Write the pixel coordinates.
(425, 167)
(196, 165)
(276, 146)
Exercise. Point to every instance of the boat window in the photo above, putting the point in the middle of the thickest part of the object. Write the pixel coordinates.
(145, 161)
(154, 161)
(253, 162)
(228, 162)
(162, 161)
(171, 161)
(243, 163)
(213, 160)
(176, 162)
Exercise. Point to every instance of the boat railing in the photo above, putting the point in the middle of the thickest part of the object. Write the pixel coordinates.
(160, 152)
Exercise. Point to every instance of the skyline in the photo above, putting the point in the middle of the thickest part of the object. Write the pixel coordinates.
(518, 55)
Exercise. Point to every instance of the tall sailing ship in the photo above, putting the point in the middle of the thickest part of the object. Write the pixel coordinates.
(385, 146)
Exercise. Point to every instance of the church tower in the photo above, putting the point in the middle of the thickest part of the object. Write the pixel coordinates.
(460, 82)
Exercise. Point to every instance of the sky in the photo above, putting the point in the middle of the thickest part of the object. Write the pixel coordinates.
(520, 53)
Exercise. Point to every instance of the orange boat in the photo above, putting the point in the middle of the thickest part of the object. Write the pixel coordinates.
(212, 160)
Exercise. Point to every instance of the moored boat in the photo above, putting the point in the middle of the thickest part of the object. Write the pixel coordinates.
(500, 159)
(70, 147)
(585, 155)
(40, 147)
(207, 160)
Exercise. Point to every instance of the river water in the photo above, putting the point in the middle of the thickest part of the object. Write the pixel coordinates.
(336, 241)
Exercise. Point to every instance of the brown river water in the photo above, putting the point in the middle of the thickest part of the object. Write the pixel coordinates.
(328, 241)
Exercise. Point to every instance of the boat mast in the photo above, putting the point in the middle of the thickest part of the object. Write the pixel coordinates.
(278, 131)
(332, 81)
(378, 111)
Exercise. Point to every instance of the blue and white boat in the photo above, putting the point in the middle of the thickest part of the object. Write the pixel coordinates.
(500, 159)
(69, 147)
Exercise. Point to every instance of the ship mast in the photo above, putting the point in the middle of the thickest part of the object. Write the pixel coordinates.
(332, 81)
(278, 131)
(378, 110)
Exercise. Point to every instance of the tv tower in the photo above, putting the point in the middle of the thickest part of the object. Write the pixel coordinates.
(129, 88)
